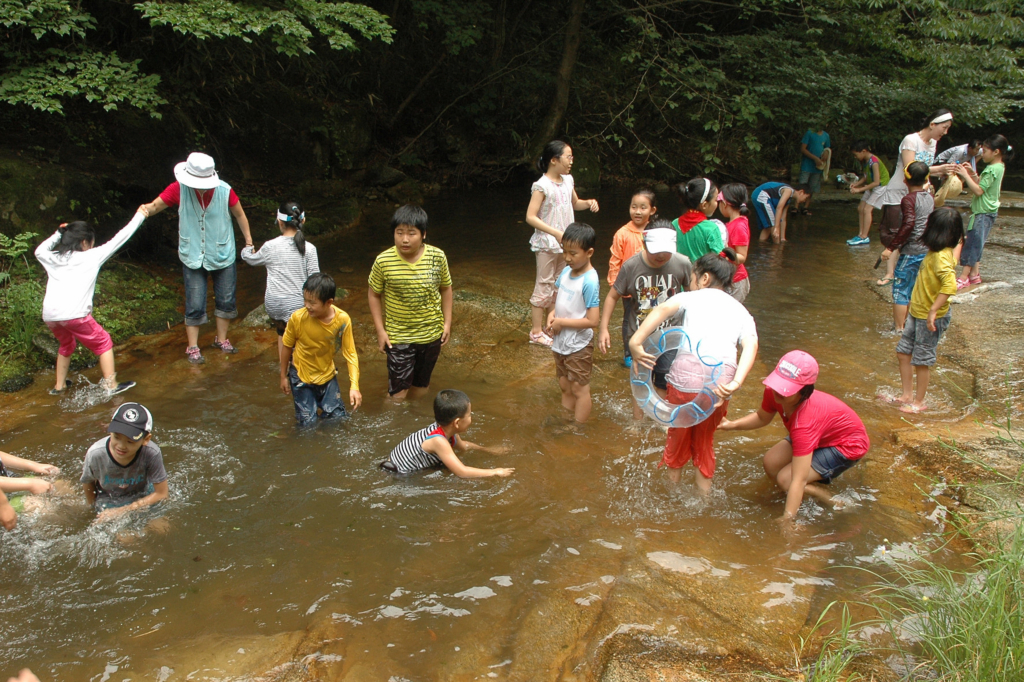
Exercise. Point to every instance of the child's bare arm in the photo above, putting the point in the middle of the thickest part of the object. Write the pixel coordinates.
(286, 359)
(8, 518)
(533, 217)
(446, 313)
(90, 492)
(749, 422)
(12, 462)
(801, 468)
(647, 327)
(159, 494)
(443, 449)
(465, 446)
(377, 313)
(964, 171)
(940, 301)
(584, 204)
(604, 338)
(36, 486)
(589, 322)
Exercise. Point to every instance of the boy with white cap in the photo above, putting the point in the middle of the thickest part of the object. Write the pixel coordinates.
(206, 245)
(125, 471)
(826, 437)
(644, 282)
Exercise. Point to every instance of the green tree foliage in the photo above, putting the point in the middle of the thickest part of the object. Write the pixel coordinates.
(671, 86)
(52, 55)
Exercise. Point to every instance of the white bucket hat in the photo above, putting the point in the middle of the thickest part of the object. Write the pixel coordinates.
(198, 172)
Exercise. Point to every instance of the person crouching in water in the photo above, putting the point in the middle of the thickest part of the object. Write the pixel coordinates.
(716, 323)
(435, 446)
(826, 437)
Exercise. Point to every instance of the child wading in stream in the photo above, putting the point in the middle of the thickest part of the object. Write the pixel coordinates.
(550, 212)
(289, 260)
(929, 307)
(825, 438)
(627, 242)
(410, 298)
(984, 205)
(916, 206)
(72, 263)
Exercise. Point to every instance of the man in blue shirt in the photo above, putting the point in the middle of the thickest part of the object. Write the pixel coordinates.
(812, 152)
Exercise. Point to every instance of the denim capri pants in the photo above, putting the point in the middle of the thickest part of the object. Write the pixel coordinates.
(974, 242)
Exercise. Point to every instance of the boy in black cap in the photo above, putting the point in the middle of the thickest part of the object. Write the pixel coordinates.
(125, 471)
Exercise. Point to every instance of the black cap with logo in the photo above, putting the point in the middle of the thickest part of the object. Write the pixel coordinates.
(132, 420)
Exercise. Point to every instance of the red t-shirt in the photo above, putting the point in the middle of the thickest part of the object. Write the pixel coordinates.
(822, 421)
(172, 196)
(739, 235)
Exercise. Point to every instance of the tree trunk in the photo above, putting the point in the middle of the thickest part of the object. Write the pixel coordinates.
(549, 127)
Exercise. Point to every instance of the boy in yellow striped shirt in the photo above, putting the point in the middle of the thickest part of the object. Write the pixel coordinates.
(410, 299)
(307, 363)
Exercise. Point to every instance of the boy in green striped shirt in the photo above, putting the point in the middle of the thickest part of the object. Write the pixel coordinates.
(410, 299)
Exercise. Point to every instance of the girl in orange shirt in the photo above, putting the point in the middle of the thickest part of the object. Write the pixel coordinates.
(628, 242)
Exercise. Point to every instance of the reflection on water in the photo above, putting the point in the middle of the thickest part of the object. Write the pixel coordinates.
(293, 549)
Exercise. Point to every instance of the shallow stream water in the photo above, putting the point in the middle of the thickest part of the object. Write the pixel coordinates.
(290, 551)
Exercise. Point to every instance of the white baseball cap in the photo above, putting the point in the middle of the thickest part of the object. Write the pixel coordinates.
(660, 240)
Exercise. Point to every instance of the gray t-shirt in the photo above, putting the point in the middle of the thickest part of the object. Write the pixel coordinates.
(650, 287)
(118, 485)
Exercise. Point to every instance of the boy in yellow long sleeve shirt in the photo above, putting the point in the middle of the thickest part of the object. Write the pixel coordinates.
(307, 363)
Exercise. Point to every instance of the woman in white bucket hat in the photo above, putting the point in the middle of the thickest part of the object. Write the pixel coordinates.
(206, 245)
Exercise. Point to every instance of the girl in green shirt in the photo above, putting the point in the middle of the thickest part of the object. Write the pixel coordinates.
(984, 205)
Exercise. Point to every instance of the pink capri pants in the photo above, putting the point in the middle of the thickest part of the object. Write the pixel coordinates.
(84, 330)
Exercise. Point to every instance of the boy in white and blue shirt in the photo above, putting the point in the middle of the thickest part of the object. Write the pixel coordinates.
(577, 313)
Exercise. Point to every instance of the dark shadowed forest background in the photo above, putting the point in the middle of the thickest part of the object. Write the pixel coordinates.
(467, 90)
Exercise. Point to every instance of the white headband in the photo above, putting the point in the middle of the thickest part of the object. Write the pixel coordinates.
(707, 188)
(942, 119)
(287, 218)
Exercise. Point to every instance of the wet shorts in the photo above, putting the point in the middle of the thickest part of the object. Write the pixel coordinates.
(84, 330)
(919, 342)
(575, 366)
(904, 277)
(829, 462)
(411, 364)
(811, 178)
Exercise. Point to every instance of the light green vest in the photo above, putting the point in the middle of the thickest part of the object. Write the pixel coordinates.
(206, 238)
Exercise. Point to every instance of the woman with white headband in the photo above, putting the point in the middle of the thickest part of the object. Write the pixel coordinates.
(697, 234)
(919, 146)
(290, 260)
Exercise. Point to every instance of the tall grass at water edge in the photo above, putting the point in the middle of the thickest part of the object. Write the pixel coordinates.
(945, 624)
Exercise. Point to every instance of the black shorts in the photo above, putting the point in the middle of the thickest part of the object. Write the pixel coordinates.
(661, 368)
(411, 364)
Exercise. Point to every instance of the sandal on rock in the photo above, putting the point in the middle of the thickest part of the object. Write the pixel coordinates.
(540, 339)
(882, 282)
(975, 280)
(962, 283)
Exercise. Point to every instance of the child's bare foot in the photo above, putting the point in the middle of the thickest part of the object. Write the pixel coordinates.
(913, 408)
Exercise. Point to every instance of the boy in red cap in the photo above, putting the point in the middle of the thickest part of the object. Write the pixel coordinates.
(825, 439)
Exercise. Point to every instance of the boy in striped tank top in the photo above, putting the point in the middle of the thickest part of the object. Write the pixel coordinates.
(410, 298)
(435, 446)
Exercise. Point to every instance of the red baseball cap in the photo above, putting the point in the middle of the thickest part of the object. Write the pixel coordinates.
(795, 370)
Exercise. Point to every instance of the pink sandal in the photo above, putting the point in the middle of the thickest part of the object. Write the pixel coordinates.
(962, 283)
(975, 280)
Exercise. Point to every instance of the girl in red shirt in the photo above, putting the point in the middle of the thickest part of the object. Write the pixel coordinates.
(825, 439)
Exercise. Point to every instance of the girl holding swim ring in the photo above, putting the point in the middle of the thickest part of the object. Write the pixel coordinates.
(826, 437)
(919, 146)
(697, 234)
(716, 324)
(550, 212)
(732, 202)
(289, 260)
